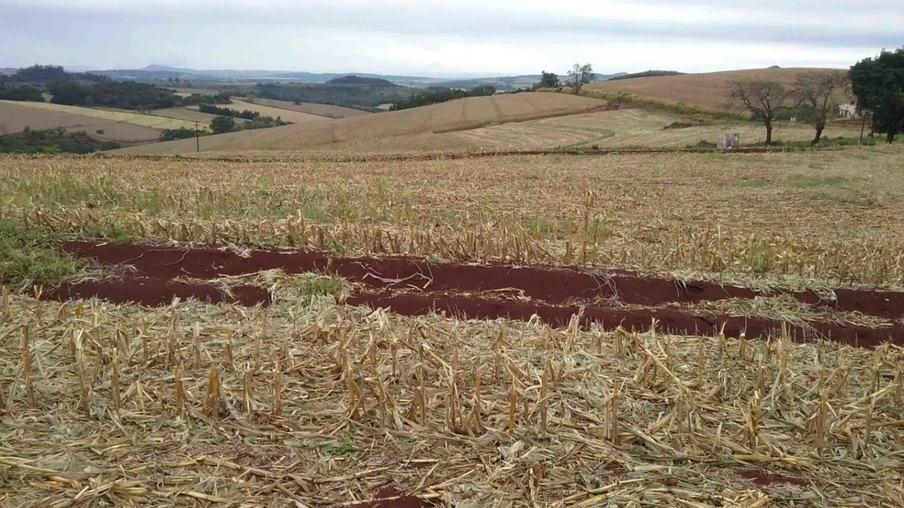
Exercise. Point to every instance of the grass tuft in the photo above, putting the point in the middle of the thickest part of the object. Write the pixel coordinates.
(24, 261)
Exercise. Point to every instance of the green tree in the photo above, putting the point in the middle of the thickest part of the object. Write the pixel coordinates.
(222, 124)
(549, 80)
(580, 75)
(878, 84)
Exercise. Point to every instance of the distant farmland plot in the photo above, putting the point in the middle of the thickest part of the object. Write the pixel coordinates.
(285, 114)
(706, 91)
(144, 120)
(347, 133)
(327, 110)
(627, 128)
(186, 114)
(16, 116)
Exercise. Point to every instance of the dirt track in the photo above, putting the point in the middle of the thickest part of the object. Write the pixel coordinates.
(412, 286)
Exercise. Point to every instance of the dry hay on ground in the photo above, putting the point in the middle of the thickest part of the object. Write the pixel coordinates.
(325, 405)
(827, 216)
(144, 120)
(446, 117)
(706, 90)
(16, 116)
(311, 108)
(287, 115)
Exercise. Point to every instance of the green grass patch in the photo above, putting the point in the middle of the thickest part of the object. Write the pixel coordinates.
(825, 142)
(806, 181)
(320, 285)
(538, 226)
(24, 261)
(346, 448)
(752, 183)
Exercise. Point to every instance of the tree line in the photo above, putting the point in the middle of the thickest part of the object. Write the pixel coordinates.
(50, 73)
(578, 76)
(437, 96)
(53, 141)
(876, 85)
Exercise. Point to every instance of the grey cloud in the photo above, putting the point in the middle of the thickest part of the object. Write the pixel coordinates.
(89, 27)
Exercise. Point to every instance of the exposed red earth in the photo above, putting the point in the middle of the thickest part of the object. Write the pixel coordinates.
(155, 292)
(391, 498)
(413, 286)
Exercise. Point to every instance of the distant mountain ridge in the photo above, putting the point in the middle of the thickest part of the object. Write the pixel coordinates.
(157, 72)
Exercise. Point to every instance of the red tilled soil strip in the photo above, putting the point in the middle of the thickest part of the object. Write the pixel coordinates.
(392, 498)
(157, 292)
(764, 478)
(551, 285)
(669, 320)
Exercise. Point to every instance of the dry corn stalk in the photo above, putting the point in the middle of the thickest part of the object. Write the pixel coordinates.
(117, 399)
(26, 369)
(212, 401)
(180, 394)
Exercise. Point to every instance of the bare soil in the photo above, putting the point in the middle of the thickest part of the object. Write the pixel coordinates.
(414, 286)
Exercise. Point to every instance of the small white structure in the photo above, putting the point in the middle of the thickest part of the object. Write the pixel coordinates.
(848, 111)
(729, 141)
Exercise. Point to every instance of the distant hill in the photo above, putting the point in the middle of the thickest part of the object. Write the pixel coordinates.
(706, 91)
(165, 73)
(358, 80)
(645, 74)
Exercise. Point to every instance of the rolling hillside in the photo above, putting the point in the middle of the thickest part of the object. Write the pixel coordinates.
(311, 108)
(118, 116)
(463, 114)
(706, 91)
(285, 114)
(16, 116)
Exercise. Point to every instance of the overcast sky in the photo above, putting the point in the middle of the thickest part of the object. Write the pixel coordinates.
(447, 38)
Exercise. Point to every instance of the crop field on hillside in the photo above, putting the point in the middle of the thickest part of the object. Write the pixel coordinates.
(451, 116)
(287, 115)
(706, 91)
(325, 110)
(144, 120)
(14, 117)
(631, 128)
(187, 114)
(686, 329)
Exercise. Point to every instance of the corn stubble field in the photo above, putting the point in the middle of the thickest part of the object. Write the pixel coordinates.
(303, 400)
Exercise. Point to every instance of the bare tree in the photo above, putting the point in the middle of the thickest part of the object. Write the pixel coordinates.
(580, 75)
(763, 99)
(818, 92)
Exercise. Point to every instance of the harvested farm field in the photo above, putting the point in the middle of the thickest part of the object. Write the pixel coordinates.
(265, 110)
(311, 108)
(272, 328)
(704, 91)
(14, 118)
(126, 117)
(462, 114)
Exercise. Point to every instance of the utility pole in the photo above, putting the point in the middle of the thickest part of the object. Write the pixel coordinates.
(197, 137)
